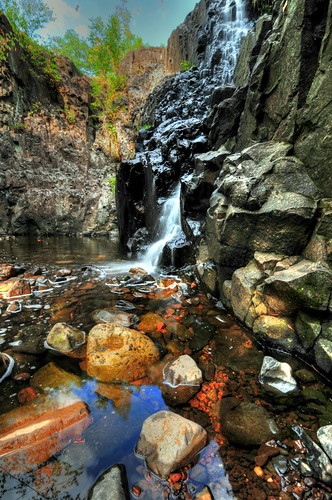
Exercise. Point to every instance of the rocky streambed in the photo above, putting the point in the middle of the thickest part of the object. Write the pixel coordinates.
(142, 384)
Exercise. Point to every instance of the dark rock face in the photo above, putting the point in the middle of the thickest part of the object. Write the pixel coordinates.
(254, 162)
(290, 85)
(175, 112)
(54, 164)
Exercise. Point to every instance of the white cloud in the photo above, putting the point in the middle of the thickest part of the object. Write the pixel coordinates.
(82, 30)
(65, 18)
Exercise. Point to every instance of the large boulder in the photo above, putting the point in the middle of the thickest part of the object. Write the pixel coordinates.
(246, 424)
(169, 442)
(117, 354)
(276, 332)
(306, 284)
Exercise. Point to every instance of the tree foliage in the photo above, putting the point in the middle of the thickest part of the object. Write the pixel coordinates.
(28, 16)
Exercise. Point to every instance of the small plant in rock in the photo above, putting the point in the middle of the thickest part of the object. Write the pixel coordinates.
(70, 115)
(112, 184)
(186, 65)
(17, 127)
(36, 107)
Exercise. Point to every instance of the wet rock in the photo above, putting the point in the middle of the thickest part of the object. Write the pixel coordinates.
(277, 377)
(276, 332)
(25, 430)
(111, 484)
(114, 316)
(306, 284)
(169, 442)
(181, 380)
(305, 375)
(67, 339)
(28, 394)
(204, 494)
(324, 435)
(6, 271)
(150, 322)
(307, 328)
(52, 376)
(323, 354)
(62, 273)
(267, 450)
(315, 463)
(15, 287)
(30, 339)
(6, 365)
(246, 424)
(244, 282)
(116, 353)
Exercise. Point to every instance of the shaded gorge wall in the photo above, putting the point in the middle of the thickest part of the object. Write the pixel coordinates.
(255, 198)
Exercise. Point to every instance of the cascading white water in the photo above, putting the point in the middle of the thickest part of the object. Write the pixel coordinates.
(232, 25)
(230, 32)
(169, 228)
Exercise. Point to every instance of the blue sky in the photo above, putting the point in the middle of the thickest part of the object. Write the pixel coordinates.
(153, 20)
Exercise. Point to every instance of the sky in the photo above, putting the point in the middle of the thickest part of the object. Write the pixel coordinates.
(152, 20)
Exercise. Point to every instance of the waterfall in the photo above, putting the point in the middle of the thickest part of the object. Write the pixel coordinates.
(169, 228)
(178, 111)
(230, 32)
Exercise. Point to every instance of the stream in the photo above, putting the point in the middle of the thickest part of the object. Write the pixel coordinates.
(194, 324)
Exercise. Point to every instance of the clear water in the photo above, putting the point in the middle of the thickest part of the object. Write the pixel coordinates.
(118, 411)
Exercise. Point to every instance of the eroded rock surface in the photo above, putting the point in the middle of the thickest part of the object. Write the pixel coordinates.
(169, 441)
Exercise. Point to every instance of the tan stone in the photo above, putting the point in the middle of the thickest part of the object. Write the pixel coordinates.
(51, 376)
(149, 322)
(116, 353)
(169, 442)
(31, 434)
(15, 287)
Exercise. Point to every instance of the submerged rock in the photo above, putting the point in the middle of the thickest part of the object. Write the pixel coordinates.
(324, 435)
(111, 484)
(26, 429)
(52, 376)
(246, 424)
(277, 377)
(117, 354)
(181, 380)
(15, 287)
(67, 339)
(169, 442)
(315, 461)
(114, 316)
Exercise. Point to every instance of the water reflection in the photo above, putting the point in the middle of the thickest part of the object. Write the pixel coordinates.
(179, 319)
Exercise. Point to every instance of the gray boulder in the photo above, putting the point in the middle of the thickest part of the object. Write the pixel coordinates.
(181, 380)
(277, 377)
(324, 435)
(316, 462)
(111, 485)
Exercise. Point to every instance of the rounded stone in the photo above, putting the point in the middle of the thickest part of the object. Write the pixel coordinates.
(117, 354)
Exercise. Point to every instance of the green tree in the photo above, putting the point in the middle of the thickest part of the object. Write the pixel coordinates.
(27, 15)
(76, 48)
(111, 41)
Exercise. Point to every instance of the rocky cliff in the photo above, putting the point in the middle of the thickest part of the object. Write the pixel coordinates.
(55, 157)
(54, 165)
(254, 159)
